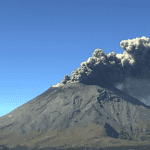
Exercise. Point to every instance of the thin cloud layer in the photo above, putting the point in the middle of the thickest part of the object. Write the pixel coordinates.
(114, 68)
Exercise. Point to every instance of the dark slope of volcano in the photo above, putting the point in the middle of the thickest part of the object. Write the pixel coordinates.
(77, 114)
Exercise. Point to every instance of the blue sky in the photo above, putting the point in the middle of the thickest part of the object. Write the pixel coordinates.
(42, 40)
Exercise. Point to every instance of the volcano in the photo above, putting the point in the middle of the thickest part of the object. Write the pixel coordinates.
(77, 115)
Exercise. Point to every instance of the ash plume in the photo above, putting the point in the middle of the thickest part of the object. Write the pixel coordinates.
(115, 69)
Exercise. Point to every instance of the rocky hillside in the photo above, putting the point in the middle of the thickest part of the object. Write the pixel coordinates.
(77, 114)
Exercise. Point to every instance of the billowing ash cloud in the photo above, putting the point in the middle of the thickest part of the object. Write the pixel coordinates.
(114, 68)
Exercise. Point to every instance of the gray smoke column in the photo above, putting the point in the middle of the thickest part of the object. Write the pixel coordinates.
(114, 69)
